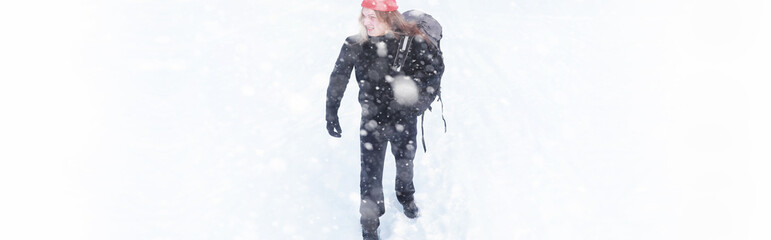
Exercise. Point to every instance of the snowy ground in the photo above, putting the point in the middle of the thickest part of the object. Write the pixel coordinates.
(566, 120)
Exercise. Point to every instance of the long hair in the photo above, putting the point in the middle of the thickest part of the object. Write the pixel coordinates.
(397, 24)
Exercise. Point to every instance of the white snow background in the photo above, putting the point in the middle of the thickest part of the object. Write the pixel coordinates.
(204, 120)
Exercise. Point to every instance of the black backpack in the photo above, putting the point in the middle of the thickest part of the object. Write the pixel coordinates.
(433, 30)
(427, 23)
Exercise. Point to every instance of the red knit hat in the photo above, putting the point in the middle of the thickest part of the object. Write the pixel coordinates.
(380, 5)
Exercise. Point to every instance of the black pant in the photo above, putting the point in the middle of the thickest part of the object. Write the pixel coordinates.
(375, 135)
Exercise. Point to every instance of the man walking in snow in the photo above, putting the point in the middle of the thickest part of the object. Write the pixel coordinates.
(391, 99)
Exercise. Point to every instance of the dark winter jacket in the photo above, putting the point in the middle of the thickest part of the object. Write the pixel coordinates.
(372, 60)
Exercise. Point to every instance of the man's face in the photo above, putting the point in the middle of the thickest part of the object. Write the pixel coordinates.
(374, 26)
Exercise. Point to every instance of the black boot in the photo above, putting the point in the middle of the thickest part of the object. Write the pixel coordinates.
(369, 228)
(369, 234)
(410, 209)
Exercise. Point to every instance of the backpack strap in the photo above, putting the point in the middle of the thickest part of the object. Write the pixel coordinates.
(442, 103)
(422, 119)
(422, 133)
(401, 53)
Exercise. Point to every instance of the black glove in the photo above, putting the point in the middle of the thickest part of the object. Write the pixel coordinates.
(333, 126)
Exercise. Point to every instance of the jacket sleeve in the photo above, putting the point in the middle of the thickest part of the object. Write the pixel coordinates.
(426, 67)
(339, 78)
